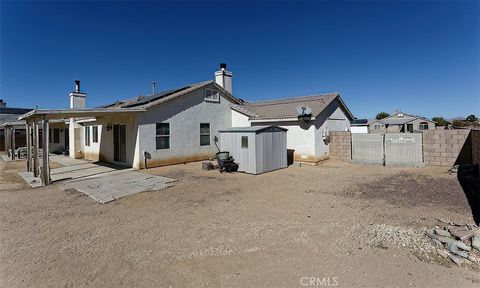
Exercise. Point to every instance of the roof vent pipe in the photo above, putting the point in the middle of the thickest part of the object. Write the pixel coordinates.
(153, 87)
(77, 86)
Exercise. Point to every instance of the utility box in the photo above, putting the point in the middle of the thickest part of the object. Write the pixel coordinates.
(256, 149)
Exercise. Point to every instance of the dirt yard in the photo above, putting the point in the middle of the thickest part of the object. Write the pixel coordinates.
(279, 229)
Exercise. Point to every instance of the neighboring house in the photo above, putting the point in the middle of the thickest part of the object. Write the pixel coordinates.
(9, 116)
(181, 125)
(307, 140)
(400, 122)
(359, 126)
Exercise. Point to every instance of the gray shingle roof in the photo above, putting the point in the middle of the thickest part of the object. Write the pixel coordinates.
(157, 98)
(286, 108)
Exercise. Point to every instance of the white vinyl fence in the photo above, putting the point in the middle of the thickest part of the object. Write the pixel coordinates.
(391, 149)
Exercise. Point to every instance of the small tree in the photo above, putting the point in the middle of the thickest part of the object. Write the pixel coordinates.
(459, 123)
(440, 121)
(382, 115)
(471, 118)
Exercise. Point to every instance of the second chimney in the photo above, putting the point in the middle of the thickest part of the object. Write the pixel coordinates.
(77, 98)
(224, 78)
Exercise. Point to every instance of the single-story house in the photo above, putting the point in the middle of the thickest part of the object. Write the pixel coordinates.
(9, 118)
(359, 126)
(307, 139)
(400, 122)
(181, 125)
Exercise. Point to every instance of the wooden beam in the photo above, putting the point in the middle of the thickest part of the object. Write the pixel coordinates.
(7, 144)
(45, 166)
(35, 148)
(13, 142)
(29, 147)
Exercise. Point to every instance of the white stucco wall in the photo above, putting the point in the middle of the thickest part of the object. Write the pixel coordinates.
(333, 118)
(239, 119)
(92, 152)
(184, 115)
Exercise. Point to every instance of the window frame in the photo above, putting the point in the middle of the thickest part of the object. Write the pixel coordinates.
(422, 126)
(163, 136)
(95, 134)
(242, 144)
(87, 136)
(210, 98)
(205, 134)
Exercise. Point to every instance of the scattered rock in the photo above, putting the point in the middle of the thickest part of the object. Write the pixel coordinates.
(443, 253)
(442, 232)
(476, 241)
(472, 258)
(442, 239)
(461, 232)
(455, 247)
(456, 260)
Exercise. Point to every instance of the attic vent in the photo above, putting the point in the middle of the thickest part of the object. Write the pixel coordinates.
(212, 95)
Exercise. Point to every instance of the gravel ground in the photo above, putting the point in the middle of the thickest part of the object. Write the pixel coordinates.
(278, 229)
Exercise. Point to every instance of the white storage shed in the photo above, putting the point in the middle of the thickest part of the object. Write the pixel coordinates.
(256, 149)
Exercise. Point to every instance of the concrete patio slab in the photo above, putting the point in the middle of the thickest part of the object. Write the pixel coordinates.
(34, 182)
(67, 161)
(9, 159)
(116, 185)
(81, 171)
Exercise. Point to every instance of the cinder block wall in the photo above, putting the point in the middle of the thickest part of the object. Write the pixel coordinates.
(475, 146)
(442, 147)
(340, 145)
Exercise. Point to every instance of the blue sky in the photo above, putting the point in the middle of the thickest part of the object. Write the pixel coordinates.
(421, 57)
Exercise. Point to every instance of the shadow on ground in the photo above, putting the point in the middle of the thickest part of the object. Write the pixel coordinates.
(469, 178)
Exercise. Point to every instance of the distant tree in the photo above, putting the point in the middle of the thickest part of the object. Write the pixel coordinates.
(459, 123)
(382, 115)
(471, 118)
(440, 121)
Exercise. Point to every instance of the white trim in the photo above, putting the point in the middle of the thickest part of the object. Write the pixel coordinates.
(277, 120)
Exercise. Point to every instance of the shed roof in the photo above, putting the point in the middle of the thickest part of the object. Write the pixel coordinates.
(286, 108)
(254, 129)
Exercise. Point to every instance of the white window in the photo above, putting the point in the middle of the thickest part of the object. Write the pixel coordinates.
(163, 136)
(423, 126)
(87, 136)
(204, 134)
(212, 95)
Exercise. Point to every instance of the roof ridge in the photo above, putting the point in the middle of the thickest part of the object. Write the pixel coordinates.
(312, 97)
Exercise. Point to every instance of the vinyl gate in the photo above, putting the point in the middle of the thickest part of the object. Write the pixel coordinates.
(391, 149)
(367, 148)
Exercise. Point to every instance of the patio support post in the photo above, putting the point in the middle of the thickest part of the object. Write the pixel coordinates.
(7, 140)
(29, 147)
(46, 167)
(35, 148)
(13, 142)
